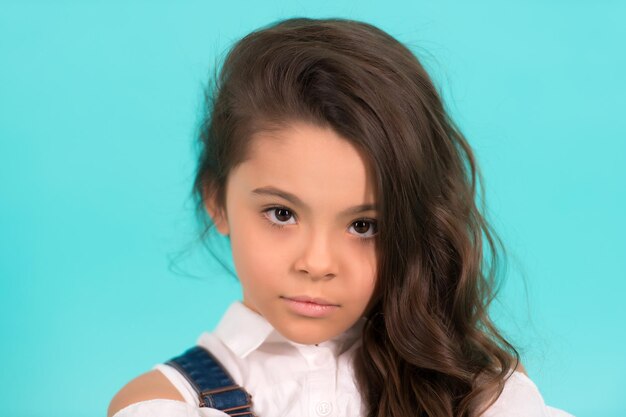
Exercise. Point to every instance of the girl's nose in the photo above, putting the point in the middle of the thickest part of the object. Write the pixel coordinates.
(317, 258)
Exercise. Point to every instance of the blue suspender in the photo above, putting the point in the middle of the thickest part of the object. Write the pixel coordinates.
(215, 388)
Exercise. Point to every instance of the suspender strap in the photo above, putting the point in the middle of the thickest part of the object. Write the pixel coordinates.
(214, 386)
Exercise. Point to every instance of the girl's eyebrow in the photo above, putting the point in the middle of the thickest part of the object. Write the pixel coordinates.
(295, 200)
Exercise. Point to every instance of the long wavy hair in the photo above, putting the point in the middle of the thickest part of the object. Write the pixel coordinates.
(428, 346)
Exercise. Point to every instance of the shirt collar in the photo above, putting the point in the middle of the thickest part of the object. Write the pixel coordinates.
(244, 330)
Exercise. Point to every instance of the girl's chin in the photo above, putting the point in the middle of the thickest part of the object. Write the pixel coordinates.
(303, 334)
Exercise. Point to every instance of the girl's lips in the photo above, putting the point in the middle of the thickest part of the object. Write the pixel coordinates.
(309, 309)
(307, 299)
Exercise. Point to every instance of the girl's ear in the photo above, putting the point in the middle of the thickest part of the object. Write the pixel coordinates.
(218, 216)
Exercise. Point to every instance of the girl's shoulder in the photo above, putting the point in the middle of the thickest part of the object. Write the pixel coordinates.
(151, 385)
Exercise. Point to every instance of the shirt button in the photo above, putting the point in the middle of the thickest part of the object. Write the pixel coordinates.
(323, 408)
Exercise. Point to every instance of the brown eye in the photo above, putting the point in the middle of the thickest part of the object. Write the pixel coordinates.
(282, 214)
(361, 226)
(279, 216)
(365, 228)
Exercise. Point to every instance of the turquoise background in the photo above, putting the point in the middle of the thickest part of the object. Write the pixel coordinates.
(100, 276)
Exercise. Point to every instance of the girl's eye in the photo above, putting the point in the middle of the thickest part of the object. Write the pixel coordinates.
(365, 228)
(281, 216)
(278, 216)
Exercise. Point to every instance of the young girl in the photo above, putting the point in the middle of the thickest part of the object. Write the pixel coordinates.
(348, 196)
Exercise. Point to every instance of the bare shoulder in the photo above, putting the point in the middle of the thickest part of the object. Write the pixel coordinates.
(149, 386)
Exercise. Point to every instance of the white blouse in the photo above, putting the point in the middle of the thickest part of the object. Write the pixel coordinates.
(286, 378)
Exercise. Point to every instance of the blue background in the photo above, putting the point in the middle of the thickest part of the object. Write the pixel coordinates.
(99, 103)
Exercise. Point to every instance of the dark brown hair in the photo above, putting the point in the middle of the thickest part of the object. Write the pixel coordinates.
(428, 346)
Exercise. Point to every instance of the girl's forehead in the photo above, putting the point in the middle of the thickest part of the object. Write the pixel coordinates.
(308, 157)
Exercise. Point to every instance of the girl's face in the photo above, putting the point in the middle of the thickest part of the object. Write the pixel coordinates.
(301, 218)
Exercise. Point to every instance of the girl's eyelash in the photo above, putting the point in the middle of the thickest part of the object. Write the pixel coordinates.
(373, 224)
(280, 226)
